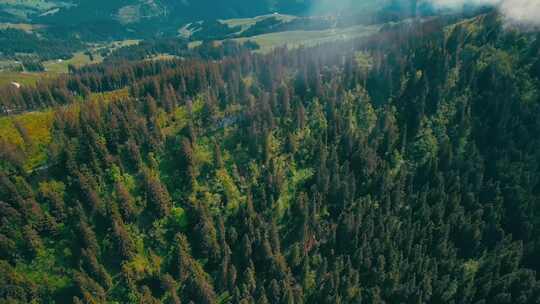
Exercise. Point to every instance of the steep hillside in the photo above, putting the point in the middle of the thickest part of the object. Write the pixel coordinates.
(403, 167)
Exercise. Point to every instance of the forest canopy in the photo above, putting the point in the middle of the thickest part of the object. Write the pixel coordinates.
(398, 168)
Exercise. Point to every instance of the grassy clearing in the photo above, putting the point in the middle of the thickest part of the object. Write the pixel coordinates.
(294, 39)
(79, 59)
(194, 44)
(246, 23)
(20, 26)
(23, 78)
(162, 57)
(290, 192)
(472, 26)
(31, 132)
(120, 43)
(112, 96)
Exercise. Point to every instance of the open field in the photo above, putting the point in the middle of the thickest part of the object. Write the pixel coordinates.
(162, 57)
(79, 59)
(194, 44)
(20, 26)
(24, 78)
(118, 44)
(246, 23)
(293, 39)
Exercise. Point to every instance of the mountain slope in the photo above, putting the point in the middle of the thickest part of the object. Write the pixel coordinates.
(70, 12)
(403, 167)
(173, 13)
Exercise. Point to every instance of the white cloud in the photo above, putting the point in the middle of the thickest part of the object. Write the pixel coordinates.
(460, 3)
(525, 12)
(456, 4)
(522, 11)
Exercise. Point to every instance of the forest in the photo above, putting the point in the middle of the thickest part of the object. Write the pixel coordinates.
(14, 42)
(399, 168)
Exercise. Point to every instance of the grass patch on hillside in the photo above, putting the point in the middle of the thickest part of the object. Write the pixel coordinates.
(120, 43)
(470, 26)
(112, 96)
(294, 39)
(55, 67)
(31, 132)
(159, 57)
(290, 191)
(23, 78)
(246, 23)
(194, 44)
(20, 26)
(79, 59)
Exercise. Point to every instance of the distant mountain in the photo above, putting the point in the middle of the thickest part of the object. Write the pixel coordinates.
(71, 12)
(75, 12)
(114, 17)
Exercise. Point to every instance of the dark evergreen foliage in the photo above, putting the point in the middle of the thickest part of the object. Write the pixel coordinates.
(301, 176)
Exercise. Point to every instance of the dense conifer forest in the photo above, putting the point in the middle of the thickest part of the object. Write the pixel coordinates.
(14, 42)
(399, 168)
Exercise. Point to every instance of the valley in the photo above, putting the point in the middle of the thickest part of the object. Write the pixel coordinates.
(92, 53)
